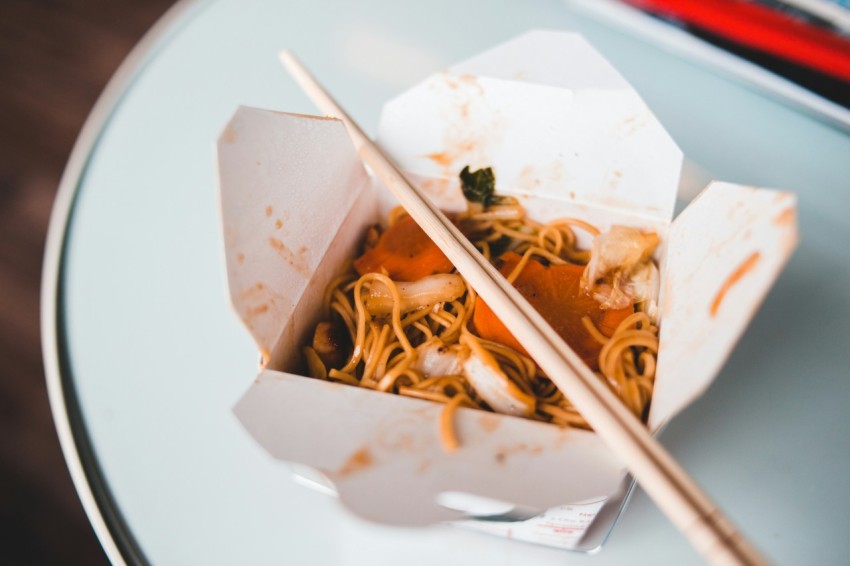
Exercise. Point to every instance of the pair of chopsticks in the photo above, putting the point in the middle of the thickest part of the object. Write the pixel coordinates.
(675, 493)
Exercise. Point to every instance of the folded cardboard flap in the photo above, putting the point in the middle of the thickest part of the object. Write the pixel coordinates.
(384, 455)
(553, 119)
(270, 188)
(724, 252)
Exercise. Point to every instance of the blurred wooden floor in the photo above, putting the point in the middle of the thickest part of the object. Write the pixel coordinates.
(55, 58)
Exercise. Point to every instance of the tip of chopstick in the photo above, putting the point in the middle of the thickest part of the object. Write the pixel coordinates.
(318, 95)
(290, 61)
(286, 56)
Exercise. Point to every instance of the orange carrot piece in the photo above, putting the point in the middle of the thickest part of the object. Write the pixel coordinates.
(405, 252)
(555, 292)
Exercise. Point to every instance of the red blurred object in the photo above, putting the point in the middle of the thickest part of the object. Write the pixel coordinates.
(759, 27)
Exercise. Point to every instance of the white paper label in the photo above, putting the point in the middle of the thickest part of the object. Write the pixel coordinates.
(561, 527)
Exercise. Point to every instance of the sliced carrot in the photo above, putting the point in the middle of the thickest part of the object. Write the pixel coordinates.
(555, 292)
(405, 252)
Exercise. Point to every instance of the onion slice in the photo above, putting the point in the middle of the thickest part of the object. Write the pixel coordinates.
(424, 293)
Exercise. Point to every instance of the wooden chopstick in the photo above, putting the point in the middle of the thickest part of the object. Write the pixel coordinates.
(675, 493)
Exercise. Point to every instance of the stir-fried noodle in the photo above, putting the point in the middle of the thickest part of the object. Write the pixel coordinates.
(395, 337)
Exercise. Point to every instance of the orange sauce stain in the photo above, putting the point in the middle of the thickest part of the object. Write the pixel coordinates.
(435, 187)
(489, 422)
(278, 245)
(442, 158)
(746, 266)
(278, 224)
(564, 436)
(240, 258)
(260, 309)
(229, 135)
(632, 125)
(614, 181)
(471, 80)
(358, 462)
(297, 262)
(269, 211)
(506, 451)
(528, 178)
(786, 217)
(253, 291)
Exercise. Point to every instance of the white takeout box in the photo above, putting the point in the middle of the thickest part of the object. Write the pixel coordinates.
(568, 136)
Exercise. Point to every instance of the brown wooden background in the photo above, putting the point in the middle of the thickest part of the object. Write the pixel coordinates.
(55, 58)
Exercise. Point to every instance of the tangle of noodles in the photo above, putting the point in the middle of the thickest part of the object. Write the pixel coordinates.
(385, 346)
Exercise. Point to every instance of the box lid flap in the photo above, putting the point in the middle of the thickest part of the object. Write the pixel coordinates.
(724, 251)
(550, 115)
(277, 174)
(388, 464)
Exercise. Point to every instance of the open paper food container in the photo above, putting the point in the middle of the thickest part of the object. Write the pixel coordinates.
(568, 136)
